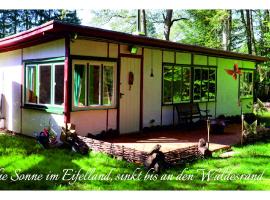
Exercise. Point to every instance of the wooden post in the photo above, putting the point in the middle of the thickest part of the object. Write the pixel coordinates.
(208, 131)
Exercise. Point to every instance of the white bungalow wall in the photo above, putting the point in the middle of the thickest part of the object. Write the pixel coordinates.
(94, 121)
(11, 69)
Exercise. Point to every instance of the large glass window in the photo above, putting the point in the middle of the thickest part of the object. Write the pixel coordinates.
(246, 84)
(44, 83)
(94, 84)
(204, 84)
(177, 82)
(167, 84)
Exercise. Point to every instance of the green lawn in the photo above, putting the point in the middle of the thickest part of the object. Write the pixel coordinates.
(17, 152)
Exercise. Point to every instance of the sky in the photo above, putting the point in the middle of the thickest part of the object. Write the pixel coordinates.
(85, 16)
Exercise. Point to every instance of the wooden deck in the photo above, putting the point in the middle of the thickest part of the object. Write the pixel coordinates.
(177, 139)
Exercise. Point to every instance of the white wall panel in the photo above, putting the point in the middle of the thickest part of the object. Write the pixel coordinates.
(93, 121)
(35, 121)
(89, 48)
(46, 50)
(11, 68)
(152, 87)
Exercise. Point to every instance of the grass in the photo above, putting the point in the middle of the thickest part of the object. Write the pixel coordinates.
(22, 153)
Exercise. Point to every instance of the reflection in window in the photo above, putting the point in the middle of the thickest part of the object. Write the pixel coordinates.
(197, 84)
(186, 74)
(167, 84)
(59, 85)
(204, 88)
(108, 94)
(204, 85)
(212, 84)
(44, 84)
(177, 84)
(246, 84)
(94, 85)
(31, 95)
(79, 85)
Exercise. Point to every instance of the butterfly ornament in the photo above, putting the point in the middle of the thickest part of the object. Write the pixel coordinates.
(250, 129)
(234, 72)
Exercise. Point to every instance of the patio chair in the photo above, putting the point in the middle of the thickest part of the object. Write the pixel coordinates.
(188, 111)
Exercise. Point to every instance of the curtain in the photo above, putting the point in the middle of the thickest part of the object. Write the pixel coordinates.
(78, 76)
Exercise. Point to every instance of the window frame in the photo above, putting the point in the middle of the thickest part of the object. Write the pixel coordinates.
(51, 107)
(191, 93)
(87, 64)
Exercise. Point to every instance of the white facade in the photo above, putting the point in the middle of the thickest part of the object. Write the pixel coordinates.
(128, 112)
(19, 120)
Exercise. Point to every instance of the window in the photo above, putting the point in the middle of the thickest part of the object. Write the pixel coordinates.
(31, 90)
(176, 84)
(204, 84)
(246, 84)
(79, 85)
(94, 84)
(178, 81)
(59, 85)
(167, 84)
(44, 84)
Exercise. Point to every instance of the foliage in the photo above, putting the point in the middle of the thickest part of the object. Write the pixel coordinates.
(14, 21)
(259, 107)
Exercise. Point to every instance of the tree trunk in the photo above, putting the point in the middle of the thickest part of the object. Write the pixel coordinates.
(167, 23)
(252, 34)
(144, 22)
(246, 23)
(227, 32)
(261, 25)
(248, 28)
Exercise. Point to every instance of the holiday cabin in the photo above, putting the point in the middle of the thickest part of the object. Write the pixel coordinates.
(100, 80)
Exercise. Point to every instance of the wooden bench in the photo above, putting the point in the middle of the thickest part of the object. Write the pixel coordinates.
(188, 111)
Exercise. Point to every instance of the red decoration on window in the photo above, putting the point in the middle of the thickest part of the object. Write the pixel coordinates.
(234, 72)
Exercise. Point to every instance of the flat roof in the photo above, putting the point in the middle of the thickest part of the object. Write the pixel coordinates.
(56, 29)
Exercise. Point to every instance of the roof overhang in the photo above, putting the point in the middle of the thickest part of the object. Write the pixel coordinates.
(55, 29)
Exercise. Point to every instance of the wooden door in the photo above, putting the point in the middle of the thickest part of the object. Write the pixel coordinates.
(129, 120)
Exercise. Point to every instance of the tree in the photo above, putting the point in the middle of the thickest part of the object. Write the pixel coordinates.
(127, 19)
(13, 21)
(227, 31)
